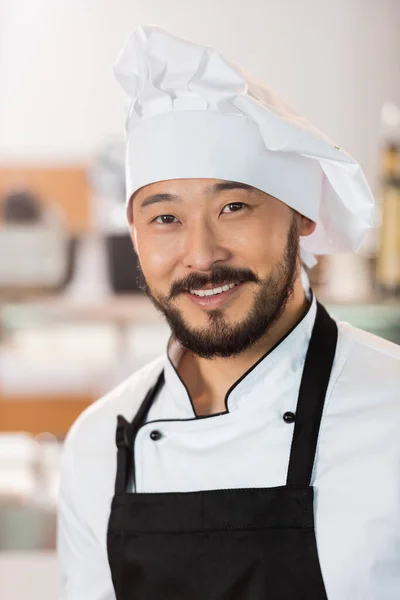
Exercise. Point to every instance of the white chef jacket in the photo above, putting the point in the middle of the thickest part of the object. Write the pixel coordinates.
(356, 473)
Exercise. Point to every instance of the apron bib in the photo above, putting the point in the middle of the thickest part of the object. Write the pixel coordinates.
(233, 544)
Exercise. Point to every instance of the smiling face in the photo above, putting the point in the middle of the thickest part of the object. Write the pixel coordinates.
(220, 260)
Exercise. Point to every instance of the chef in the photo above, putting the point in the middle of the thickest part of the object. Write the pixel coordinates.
(260, 456)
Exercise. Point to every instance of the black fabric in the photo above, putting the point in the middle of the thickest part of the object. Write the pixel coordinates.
(126, 434)
(235, 544)
(313, 386)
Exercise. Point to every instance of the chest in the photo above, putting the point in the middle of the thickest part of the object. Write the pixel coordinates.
(356, 479)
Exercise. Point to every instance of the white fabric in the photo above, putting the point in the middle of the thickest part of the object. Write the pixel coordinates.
(356, 474)
(193, 114)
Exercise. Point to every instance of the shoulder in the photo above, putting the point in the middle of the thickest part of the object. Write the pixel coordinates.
(97, 424)
(366, 345)
(368, 363)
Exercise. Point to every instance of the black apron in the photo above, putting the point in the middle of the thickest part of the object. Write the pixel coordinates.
(232, 544)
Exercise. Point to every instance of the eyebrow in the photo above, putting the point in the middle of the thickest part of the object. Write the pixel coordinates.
(216, 188)
(158, 198)
(229, 185)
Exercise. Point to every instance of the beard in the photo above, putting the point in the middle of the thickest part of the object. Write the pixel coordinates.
(219, 338)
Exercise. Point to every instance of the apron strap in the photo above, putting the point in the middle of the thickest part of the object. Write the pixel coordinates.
(310, 404)
(126, 435)
(123, 441)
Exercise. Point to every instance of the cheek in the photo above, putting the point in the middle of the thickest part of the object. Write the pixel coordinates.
(262, 244)
(156, 260)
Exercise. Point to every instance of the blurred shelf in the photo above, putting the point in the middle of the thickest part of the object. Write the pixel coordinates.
(37, 413)
(367, 314)
(121, 309)
(380, 319)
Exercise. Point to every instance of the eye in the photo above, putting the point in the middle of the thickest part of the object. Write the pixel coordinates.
(234, 207)
(165, 219)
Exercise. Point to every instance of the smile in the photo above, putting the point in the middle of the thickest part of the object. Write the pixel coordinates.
(215, 297)
(213, 291)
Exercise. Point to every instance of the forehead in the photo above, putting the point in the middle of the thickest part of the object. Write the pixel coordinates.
(200, 185)
(182, 187)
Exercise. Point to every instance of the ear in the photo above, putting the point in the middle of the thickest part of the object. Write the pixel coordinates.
(129, 211)
(132, 230)
(306, 226)
(132, 233)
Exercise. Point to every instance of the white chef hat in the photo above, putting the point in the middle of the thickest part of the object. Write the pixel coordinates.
(193, 114)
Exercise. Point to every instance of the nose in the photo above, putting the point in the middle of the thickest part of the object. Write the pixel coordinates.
(204, 248)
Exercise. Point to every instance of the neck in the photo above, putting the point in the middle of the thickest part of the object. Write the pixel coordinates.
(209, 380)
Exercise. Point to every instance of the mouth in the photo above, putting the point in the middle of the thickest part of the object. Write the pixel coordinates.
(213, 297)
(213, 291)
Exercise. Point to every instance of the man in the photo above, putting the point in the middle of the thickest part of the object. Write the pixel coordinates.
(260, 457)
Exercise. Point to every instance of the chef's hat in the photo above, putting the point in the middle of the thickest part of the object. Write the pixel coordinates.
(193, 114)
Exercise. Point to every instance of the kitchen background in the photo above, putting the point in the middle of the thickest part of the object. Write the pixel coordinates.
(72, 320)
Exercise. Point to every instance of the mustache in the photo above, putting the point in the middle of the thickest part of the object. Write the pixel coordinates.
(217, 277)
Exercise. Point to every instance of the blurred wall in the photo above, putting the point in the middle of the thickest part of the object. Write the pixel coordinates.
(336, 62)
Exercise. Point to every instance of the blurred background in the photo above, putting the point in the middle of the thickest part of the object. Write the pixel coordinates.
(73, 322)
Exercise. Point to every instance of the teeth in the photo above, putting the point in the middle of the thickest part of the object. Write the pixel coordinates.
(213, 291)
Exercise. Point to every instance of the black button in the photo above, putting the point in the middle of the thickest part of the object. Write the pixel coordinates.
(155, 435)
(289, 417)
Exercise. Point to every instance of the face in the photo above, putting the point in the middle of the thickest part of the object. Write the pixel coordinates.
(219, 260)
